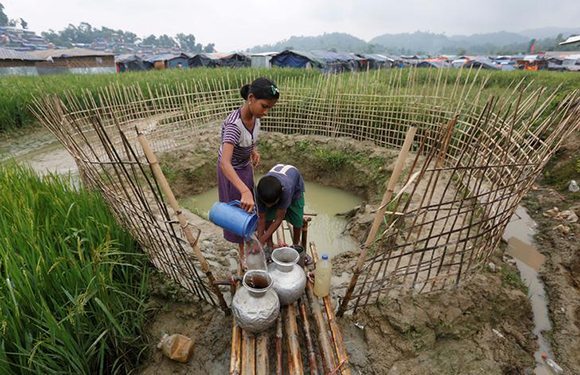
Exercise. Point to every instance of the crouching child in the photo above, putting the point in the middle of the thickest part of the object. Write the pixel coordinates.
(280, 196)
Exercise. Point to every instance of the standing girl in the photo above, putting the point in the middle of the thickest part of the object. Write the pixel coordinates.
(238, 154)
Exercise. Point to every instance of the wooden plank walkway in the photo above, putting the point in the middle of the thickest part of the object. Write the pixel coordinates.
(306, 340)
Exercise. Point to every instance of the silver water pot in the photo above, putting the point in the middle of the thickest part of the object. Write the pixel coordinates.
(289, 278)
(255, 305)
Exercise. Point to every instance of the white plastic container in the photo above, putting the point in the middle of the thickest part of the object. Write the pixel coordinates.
(322, 277)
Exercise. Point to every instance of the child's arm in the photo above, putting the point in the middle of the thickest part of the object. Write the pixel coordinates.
(247, 200)
(279, 217)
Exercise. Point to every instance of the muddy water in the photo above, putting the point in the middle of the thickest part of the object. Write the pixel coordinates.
(41, 151)
(519, 234)
(325, 229)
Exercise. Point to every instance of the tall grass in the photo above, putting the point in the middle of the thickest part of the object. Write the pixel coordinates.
(16, 93)
(72, 282)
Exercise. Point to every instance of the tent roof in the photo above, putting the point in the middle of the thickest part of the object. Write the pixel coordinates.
(8, 54)
(70, 52)
(571, 40)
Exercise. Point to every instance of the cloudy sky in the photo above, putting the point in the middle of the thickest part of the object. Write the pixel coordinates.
(239, 24)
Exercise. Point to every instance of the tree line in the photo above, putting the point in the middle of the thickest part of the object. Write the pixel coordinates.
(84, 33)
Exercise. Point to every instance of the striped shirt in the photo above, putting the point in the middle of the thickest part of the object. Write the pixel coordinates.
(235, 132)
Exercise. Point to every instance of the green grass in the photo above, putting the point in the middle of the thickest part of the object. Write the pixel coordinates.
(17, 93)
(72, 282)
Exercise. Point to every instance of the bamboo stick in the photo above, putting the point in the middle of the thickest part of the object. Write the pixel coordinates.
(295, 366)
(378, 217)
(152, 159)
(324, 344)
(304, 238)
(236, 354)
(279, 366)
(262, 360)
(313, 365)
(341, 354)
(248, 353)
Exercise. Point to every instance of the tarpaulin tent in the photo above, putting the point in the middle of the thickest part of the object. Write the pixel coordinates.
(376, 61)
(236, 60)
(168, 60)
(296, 59)
(336, 62)
(131, 62)
(205, 60)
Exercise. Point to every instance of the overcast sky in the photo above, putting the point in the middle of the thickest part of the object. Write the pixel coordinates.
(240, 24)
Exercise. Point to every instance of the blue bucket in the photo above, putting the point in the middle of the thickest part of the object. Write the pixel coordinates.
(232, 217)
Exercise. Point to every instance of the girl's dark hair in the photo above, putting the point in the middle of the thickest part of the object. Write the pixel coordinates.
(262, 88)
(269, 189)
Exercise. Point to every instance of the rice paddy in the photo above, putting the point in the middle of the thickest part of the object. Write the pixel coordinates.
(73, 284)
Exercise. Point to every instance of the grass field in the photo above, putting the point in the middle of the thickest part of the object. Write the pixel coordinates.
(17, 93)
(73, 284)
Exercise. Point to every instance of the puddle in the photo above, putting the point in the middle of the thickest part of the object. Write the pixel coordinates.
(41, 151)
(325, 229)
(519, 234)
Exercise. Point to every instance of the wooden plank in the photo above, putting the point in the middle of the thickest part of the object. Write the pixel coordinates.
(309, 343)
(295, 366)
(326, 352)
(262, 360)
(334, 328)
(279, 369)
(248, 353)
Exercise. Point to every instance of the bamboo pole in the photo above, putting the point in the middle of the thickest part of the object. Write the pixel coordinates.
(279, 369)
(324, 344)
(378, 217)
(309, 343)
(295, 366)
(152, 159)
(262, 360)
(248, 353)
(236, 355)
(304, 238)
(341, 354)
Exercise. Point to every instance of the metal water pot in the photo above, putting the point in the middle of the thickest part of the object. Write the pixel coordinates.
(289, 278)
(255, 305)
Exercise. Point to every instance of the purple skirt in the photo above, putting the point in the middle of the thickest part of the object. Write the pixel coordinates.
(227, 192)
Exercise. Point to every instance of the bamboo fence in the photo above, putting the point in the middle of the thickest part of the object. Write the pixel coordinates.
(473, 157)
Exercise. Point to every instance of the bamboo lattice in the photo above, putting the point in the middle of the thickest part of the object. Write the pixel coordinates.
(473, 158)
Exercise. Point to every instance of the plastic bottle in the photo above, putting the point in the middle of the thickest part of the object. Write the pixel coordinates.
(176, 347)
(556, 369)
(322, 277)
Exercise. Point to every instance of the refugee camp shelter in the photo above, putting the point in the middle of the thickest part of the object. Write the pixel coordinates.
(533, 63)
(236, 60)
(433, 64)
(375, 61)
(262, 60)
(481, 63)
(205, 60)
(131, 62)
(16, 63)
(337, 62)
(571, 40)
(168, 61)
(74, 60)
(296, 59)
